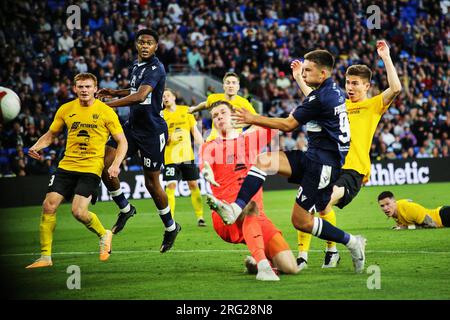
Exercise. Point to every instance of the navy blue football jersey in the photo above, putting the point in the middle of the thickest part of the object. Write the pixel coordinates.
(145, 117)
(325, 115)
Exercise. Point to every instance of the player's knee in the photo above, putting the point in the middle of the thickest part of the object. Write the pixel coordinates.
(171, 186)
(49, 207)
(263, 162)
(302, 223)
(290, 268)
(81, 214)
(192, 185)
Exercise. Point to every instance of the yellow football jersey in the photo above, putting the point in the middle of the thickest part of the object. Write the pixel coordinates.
(237, 102)
(88, 129)
(409, 213)
(180, 123)
(363, 117)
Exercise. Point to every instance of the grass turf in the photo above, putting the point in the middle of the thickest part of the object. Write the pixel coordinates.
(413, 263)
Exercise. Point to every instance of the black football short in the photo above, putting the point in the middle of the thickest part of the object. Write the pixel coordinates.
(315, 179)
(351, 180)
(69, 183)
(180, 171)
(151, 147)
(444, 213)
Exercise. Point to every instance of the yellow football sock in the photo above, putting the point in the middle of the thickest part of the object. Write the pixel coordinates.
(46, 229)
(196, 199)
(95, 225)
(304, 241)
(171, 197)
(331, 218)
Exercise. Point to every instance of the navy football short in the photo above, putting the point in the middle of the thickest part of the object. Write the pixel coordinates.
(180, 171)
(315, 180)
(150, 146)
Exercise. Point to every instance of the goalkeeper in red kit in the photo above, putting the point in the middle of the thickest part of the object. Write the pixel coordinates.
(225, 162)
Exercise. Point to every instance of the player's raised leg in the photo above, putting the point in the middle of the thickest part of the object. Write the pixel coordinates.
(80, 212)
(46, 229)
(126, 210)
(161, 201)
(270, 162)
(304, 221)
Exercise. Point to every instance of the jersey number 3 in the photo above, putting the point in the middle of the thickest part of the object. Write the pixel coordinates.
(344, 126)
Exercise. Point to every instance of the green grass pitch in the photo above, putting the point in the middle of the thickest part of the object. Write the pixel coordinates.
(413, 264)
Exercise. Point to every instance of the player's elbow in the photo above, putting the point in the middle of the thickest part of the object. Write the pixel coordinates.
(397, 89)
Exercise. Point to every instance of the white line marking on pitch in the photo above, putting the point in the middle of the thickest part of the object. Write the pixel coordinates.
(211, 251)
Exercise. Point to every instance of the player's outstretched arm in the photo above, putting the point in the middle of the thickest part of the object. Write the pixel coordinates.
(297, 67)
(243, 116)
(44, 141)
(201, 106)
(198, 139)
(111, 93)
(395, 86)
(121, 151)
(133, 98)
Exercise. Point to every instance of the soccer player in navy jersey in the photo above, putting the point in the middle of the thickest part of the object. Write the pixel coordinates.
(325, 115)
(146, 132)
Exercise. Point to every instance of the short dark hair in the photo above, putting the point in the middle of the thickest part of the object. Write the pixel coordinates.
(149, 32)
(322, 58)
(231, 74)
(385, 194)
(360, 70)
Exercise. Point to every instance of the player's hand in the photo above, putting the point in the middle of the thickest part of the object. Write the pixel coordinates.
(383, 49)
(241, 117)
(33, 153)
(297, 67)
(113, 171)
(105, 93)
(208, 174)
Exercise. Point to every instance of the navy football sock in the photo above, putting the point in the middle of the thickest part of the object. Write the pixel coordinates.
(252, 183)
(326, 231)
(119, 199)
(166, 218)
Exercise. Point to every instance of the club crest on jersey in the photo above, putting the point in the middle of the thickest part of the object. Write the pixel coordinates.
(95, 116)
(153, 68)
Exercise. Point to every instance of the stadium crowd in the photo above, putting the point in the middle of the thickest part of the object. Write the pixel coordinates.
(39, 57)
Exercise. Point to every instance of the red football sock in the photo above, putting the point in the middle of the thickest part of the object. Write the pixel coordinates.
(253, 237)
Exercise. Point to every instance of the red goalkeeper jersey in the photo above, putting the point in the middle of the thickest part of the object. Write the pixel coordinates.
(231, 159)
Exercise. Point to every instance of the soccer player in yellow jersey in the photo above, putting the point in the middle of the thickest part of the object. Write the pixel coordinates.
(89, 123)
(231, 88)
(410, 215)
(179, 159)
(364, 114)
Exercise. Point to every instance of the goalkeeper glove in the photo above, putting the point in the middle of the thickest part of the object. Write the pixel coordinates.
(208, 174)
